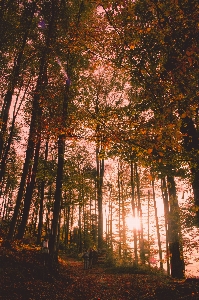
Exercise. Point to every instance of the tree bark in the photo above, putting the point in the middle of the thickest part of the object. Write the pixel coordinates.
(133, 210)
(41, 83)
(165, 198)
(142, 250)
(157, 227)
(176, 257)
(28, 14)
(191, 146)
(41, 203)
(29, 156)
(119, 211)
(29, 193)
(8, 145)
(100, 176)
(59, 181)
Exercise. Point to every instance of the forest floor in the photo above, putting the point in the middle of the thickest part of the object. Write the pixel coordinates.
(23, 276)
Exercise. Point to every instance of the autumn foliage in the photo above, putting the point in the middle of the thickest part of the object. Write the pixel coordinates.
(24, 276)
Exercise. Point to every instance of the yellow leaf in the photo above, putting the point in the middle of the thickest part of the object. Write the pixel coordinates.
(195, 208)
(143, 131)
(184, 115)
(170, 126)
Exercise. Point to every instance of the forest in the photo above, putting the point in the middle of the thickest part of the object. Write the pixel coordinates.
(99, 128)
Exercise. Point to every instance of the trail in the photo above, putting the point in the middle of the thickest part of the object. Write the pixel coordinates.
(24, 277)
(97, 284)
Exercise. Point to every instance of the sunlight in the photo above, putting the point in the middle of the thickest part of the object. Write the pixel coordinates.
(133, 222)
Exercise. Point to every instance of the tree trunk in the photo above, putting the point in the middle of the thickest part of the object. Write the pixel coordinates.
(29, 156)
(36, 115)
(58, 198)
(111, 219)
(41, 83)
(119, 212)
(133, 210)
(41, 203)
(123, 220)
(191, 145)
(68, 212)
(8, 145)
(165, 198)
(41, 209)
(177, 262)
(142, 250)
(157, 227)
(28, 14)
(29, 192)
(80, 230)
(100, 176)
(59, 180)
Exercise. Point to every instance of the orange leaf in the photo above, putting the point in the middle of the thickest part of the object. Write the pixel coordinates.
(150, 151)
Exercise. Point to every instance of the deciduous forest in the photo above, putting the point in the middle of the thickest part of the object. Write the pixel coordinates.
(99, 138)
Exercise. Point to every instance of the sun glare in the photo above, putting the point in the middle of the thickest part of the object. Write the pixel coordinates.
(133, 222)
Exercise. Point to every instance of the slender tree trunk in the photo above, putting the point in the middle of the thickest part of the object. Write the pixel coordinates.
(29, 193)
(68, 210)
(41, 208)
(80, 230)
(29, 13)
(176, 257)
(29, 156)
(191, 145)
(123, 212)
(8, 145)
(41, 203)
(142, 251)
(59, 180)
(157, 227)
(195, 186)
(58, 197)
(111, 219)
(37, 132)
(133, 210)
(119, 212)
(165, 198)
(29, 153)
(100, 176)
(148, 238)
(41, 83)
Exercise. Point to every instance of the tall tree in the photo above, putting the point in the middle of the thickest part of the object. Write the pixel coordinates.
(73, 50)
(158, 43)
(25, 25)
(42, 183)
(177, 261)
(34, 134)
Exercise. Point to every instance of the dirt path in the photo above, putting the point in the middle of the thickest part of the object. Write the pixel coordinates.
(97, 284)
(24, 277)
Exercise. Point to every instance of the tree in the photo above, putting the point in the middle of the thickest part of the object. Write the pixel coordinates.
(74, 21)
(34, 138)
(25, 25)
(160, 53)
(174, 231)
(104, 78)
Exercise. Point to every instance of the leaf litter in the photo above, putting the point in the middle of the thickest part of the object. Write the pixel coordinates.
(24, 277)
